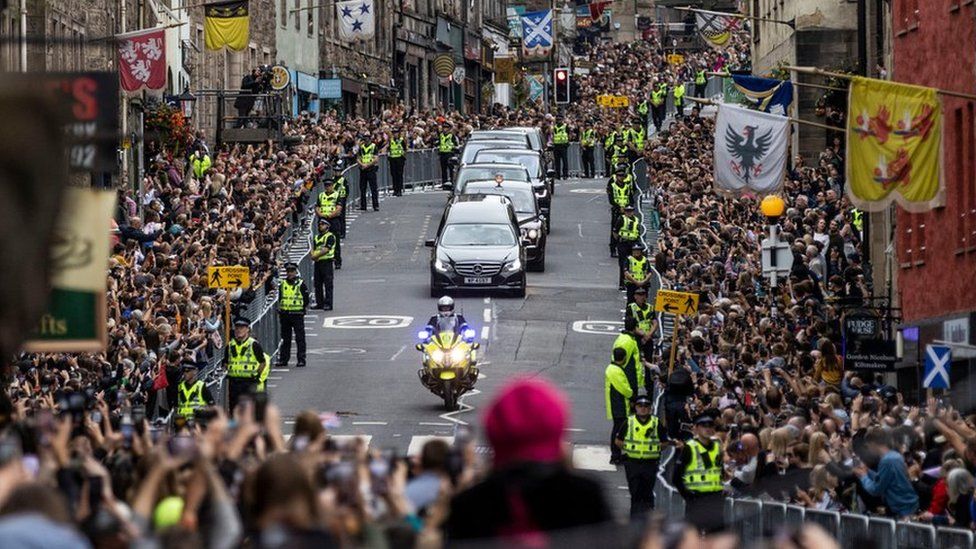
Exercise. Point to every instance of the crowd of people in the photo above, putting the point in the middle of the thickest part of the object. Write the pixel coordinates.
(793, 423)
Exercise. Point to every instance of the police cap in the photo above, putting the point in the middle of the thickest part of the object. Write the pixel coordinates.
(323, 222)
(638, 247)
(704, 419)
(241, 322)
(629, 207)
(642, 291)
(291, 266)
(642, 399)
(187, 365)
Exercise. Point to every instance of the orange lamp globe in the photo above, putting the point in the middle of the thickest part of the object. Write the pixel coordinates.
(772, 206)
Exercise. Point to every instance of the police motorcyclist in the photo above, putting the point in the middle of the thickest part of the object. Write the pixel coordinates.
(446, 317)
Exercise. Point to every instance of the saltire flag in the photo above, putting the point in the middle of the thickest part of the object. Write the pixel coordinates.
(142, 60)
(750, 150)
(357, 20)
(226, 24)
(894, 146)
(764, 94)
(716, 29)
(537, 33)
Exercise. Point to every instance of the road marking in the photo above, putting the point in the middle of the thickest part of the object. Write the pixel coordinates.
(574, 430)
(462, 408)
(281, 370)
(271, 385)
(579, 227)
(487, 315)
(579, 255)
(369, 280)
(395, 355)
(592, 458)
(587, 191)
(484, 332)
(336, 351)
(487, 300)
(310, 334)
(599, 327)
(275, 378)
(417, 443)
(366, 322)
(435, 424)
(370, 423)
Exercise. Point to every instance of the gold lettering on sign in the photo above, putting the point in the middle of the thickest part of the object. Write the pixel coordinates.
(52, 326)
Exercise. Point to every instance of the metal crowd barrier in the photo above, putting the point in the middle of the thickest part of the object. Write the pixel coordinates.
(753, 520)
(421, 168)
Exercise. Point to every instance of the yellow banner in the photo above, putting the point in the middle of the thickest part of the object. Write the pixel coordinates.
(675, 58)
(894, 146)
(226, 24)
(613, 101)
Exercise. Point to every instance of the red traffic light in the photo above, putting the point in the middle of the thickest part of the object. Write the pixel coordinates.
(560, 75)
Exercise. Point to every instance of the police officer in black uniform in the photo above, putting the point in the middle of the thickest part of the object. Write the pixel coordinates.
(640, 438)
(292, 303)
(698, 476)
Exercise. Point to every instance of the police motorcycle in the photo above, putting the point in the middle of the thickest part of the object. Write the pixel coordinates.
(449, 355)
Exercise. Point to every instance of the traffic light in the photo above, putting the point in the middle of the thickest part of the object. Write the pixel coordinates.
(560, 81)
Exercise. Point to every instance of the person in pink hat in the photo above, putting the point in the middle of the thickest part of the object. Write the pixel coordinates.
(526, 495)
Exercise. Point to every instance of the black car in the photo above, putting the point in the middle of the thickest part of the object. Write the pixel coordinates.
(533, 162)
(530, 217)
(477, 247)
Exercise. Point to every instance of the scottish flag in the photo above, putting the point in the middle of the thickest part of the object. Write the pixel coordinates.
(537, 33)
(764, 94)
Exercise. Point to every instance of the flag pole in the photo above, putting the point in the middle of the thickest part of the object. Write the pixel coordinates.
(791, 23)
(791, 119)
(821, 72)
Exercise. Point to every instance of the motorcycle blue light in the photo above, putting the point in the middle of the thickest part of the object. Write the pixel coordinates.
(469, 334)
(423, 335)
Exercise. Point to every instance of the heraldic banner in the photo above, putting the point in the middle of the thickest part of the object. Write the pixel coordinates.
(894, 146)
(226, 24)
(750, 150)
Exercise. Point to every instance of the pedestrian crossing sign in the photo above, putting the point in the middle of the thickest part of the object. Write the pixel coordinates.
(230, 277)
(937, 359)
(678, 303)
(613, 101)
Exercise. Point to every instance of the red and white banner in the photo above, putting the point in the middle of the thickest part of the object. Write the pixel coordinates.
(142, 60)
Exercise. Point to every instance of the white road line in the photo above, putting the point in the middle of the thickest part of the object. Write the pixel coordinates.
(579, 227)
(417, 443)
(435, 424)
(281, 370)
(369, 280)
(592, 458)
(487, 315)
(370, 423)
(272, 385)
(574, 430)
(487, 300)
(275, 378)
(484, 332)
(312, 335)
(395, 355)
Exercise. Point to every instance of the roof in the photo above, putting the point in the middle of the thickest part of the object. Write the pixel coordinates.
(486, 208)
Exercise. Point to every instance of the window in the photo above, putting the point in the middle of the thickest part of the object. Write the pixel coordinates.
(920, 240)
(284, 14)
(905, 243)
(311, 18)
(757, 24)
(298, 15)
(905, 16)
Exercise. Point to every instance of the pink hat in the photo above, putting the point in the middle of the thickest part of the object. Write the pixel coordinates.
(526, 421)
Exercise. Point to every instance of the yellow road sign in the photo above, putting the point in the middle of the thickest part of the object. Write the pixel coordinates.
(613, 101)
(679, 303)
(675, 58)
(230, 277)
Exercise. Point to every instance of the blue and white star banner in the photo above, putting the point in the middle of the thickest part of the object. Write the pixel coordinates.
(537, 33)
(357, 20)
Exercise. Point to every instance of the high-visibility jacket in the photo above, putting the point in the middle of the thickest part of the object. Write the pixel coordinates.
(325, 242)
(642, 440)
(644, 317)
(609, 140)
(367, 153)
(629, 228)
(588, 138)
(679, 94)
(446, 144)
(657, 97)
(698, 477)
(560, 134)
(637, 267)
(200, 165)
(242, 361)
(619, 151)
(642, 108)
(328, 202)
(340, 186)
(857, 219)
(397, 148)
(617, 391)
(700, 78)
(638, 137)
(621, 193)
(633, 366)
(290, 298)
(190, 398)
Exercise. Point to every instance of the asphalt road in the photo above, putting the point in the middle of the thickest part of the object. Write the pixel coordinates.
(363, 364)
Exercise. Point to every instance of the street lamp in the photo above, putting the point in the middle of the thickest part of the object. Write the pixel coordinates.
(772, 207)
(187, 100)
(777, 257)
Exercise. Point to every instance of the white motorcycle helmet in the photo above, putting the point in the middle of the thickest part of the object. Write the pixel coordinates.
(445, 306)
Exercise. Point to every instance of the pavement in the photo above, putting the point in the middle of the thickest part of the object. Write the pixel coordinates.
(362, 363)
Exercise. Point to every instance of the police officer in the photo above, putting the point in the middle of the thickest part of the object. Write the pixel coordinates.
(658, 105)
(643, 108)
(368, 164)
(323, 252)
(643, 313)
(397, 154)
(587, 146)
(292, 302)
(330, 208)
(634, 364)
(678, 92)
(447, 143)
(609, 140)
(641, 438)
(560, 147)
(620, 193)
(247, 364)
(193, 393)
(617, 392)
(698, 476)
(626, 230)
(638, 272)
(339, 181)
(638, 137)
(700, 82)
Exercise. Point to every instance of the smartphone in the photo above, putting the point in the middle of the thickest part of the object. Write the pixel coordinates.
(260, 406)
(182, 446)
(138, 416)
(96, 416)
(379, 473)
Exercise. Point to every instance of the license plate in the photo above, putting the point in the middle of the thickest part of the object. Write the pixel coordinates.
(477, 280)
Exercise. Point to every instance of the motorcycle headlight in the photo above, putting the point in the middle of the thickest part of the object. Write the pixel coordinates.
(457, 355)
(441, 266)
(437, 355)
(423, 335)
(469, 334)
(513, 266)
